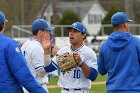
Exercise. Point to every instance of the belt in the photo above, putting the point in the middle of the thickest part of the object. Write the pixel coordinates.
(72, 89)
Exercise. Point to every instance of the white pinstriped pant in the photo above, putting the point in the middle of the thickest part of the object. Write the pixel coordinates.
(75, 91)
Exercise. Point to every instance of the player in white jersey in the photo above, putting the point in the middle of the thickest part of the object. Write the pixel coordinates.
(78, 80)
(34, 50)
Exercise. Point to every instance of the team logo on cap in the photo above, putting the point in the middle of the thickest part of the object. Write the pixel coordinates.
(74, 24)
(84, 30)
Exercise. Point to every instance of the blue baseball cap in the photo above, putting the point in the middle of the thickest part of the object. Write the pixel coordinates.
(119, 18)
(80, 27)
(41, 24)
(2, 17)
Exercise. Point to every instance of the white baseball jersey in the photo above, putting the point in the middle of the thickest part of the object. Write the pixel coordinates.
(76, 78)
(34, 55)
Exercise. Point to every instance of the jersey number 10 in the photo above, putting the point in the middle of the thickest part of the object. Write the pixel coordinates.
(77, 74)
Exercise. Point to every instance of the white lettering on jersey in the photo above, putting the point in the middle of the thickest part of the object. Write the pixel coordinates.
(17, 49)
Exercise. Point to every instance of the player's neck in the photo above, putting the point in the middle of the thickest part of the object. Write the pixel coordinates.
(37, 38)
(76, 46)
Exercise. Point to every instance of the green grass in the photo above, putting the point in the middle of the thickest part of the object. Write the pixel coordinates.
(94, 89)
(53, 80)
(101, 88)
(101, 78)
(98, 88)
(54, 90)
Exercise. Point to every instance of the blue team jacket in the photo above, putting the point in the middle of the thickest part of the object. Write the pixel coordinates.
(13, 69)
(119, 56)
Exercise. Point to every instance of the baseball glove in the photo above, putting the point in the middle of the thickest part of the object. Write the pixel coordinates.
(66, 62)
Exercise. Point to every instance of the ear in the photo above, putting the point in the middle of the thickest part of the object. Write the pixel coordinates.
(125, 24)
(40, 31)
(3, 26)
(84, 36)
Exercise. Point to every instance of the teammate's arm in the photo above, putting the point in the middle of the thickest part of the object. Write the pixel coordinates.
(52, 66)
(138, 48)
(47, 60)
(46, 44)
(47, 64)
(89, 72)
(41, 72)
(101, 67)
(38, 62)
(18, 67)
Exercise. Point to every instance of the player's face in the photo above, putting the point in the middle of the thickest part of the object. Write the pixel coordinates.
(42, 32)
(45, 31)
(51, 36)
(75, 37)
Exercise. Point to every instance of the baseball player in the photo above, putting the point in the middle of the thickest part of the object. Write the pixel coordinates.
(14, 72)
(78, 80)
(36, 48)
(123, 67)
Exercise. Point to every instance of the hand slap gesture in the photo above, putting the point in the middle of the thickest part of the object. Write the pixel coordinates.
(46, 42)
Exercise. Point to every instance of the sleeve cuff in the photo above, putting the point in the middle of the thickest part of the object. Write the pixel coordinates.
(51, 67)
(93, 74)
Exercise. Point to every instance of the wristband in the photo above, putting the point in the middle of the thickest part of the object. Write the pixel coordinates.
(81, 63)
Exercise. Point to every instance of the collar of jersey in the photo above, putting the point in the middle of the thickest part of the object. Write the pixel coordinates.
(76, 49)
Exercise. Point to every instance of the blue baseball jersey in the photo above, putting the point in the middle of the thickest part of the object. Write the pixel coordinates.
(13, 69)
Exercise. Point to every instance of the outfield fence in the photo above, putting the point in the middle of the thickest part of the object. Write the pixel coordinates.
(21, 33)
(60, 30)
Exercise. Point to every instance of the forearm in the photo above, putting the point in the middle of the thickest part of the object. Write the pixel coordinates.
(93, 74)
(41, 72)
(47, 60)
(85, 69)
(89, 72)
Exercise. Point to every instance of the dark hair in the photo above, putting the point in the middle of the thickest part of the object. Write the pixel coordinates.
(1, 26)
(85, 36)
(117, 26)
(35, 32)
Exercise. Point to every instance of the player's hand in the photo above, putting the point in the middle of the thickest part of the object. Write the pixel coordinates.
(54, 51)
(77, 57)
(46, 42)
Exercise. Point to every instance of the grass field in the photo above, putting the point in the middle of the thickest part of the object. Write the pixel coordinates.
(94, 89)
(97, 88)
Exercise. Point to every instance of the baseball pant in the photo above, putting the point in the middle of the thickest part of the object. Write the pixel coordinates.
(75, 91)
